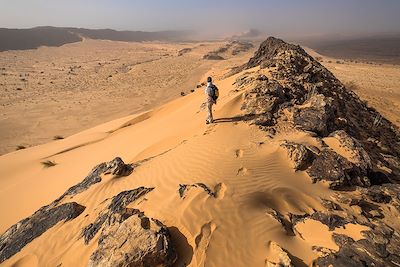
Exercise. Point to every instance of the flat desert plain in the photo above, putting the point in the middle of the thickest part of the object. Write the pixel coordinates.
(53, 92)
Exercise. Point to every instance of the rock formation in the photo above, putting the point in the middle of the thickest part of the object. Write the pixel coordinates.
(301, 94)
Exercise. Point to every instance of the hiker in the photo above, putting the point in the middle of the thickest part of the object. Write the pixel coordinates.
(211, 99)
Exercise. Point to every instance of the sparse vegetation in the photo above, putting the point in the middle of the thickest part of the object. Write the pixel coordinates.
(58, 137)
(48, 163)
(19, 147)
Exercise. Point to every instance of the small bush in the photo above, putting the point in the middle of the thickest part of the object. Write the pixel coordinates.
(48, 163)
(20, 147)
(58, 137)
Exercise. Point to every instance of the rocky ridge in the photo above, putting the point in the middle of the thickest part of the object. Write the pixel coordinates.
(284, 88)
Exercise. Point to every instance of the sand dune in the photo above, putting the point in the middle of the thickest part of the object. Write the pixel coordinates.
(227, 191)
(184, 152)
(52, 92)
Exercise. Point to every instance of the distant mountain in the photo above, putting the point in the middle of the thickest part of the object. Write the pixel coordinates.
(378, 48)
(21, 39)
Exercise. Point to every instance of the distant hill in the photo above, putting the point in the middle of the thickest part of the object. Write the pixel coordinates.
(384, 49)
(21, 39)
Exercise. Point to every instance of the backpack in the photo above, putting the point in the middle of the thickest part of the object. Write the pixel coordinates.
(214, 92)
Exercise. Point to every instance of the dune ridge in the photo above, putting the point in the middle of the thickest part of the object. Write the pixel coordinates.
(229, 193)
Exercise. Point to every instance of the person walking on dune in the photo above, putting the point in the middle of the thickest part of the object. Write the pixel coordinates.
(211, 99)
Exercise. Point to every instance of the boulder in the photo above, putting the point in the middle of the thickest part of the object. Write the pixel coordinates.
(283, 257)
(330, 166)
(359, 155)
(315, 115)
(22, 233)
(118, 168)
(132, 239)
(117, 206)
(329, 219)
(299, 155)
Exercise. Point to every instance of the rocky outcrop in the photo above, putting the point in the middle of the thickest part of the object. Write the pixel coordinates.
(213, 56)
(315, 114)
(380, 247)
(283, 258)
(299, 154)
(130, 238)
(334, 168)
(116, 167)
(184, 51)
(359, 156)
(218, 191)
(318, 102)
(22, 233)
(117, 206)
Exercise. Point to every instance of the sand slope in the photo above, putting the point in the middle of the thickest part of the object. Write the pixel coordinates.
(247, 169)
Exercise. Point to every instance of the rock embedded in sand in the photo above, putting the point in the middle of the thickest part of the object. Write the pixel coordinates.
(218, 192)
(118, 167)
(132, 239)
(315, 114)
(334, 168)
(283, 257)
(117, 206)
(299, 155)
(359, 155)
(22, 233)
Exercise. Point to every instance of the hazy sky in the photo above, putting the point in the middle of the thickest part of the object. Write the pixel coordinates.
(285, 17)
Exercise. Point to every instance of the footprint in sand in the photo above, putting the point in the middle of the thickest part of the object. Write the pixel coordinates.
(219, 191)
(242, 171)
(210, 129)
(202, 241)
(239, 153)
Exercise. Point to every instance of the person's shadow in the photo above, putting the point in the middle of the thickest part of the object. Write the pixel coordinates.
(245, 117)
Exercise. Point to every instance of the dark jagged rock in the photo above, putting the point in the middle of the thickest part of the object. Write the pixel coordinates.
(315, 115)
(360, 157)
(118, 205)
(287, 225)
(368, 209)
(322, 104)
(183, 188)
(380, 247)
(116, 167)
(330, 205)
(299, 154)
(378, 194)
(130, 238)
(342, 240)
(213, 56)
(22, 233)
(331, 167)
(330, 220)
(265, 56)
